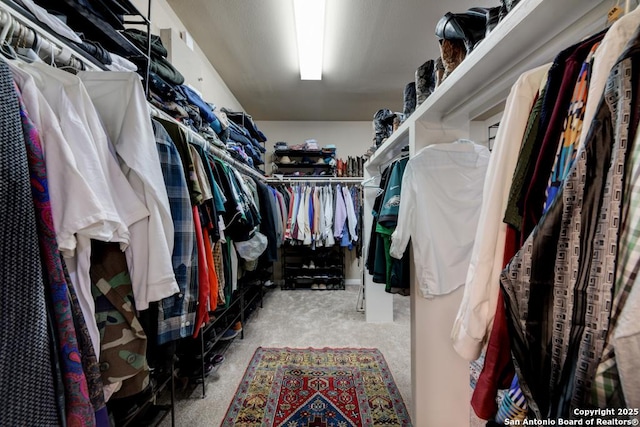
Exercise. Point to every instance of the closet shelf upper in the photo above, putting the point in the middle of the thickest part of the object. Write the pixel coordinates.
(529, 36)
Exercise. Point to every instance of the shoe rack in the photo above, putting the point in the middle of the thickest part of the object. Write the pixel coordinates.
(305, 162)
(198, 356)
(316, 269)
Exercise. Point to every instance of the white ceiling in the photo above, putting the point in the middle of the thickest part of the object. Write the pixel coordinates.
(372, 49)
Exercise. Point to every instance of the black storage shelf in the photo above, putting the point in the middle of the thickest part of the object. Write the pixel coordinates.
(237, 311)
(304, 165)
(165, 410)
(298, 166)
(305, 162)
(303, 153)
(329, 273)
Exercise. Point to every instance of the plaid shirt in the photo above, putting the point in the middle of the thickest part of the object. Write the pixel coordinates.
(607, 390)
(177, 313)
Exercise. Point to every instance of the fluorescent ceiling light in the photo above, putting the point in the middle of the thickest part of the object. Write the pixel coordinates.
(310, 32)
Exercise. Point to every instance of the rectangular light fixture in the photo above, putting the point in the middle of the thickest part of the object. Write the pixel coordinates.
(309, 15)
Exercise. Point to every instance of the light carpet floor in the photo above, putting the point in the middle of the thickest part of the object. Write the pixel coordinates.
(300, 319)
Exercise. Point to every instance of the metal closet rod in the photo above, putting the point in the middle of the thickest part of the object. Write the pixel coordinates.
(13, 22)
(217, 152)
(302, 179)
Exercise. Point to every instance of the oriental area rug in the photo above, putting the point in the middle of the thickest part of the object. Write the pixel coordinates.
(346, 387)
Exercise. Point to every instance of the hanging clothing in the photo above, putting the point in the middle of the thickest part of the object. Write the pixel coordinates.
(340, 216)
(317, 215)
(212, 300)
(352, 219)
(79, 409)
(557, 345)
(475, 315)
(268, 225)
(497, 369)
(89, 359)
(201, 175)
(278, 202)
(513, 209)
(375, 241)
(611, 47)
(83, 175)
(85, 135)
(385, 226)
(202, 310)
(123, 356)
(572, 128)
(329, 207)
(120, 101)
(441, 197)
(220, 270)
(26, 388)
(179, 309)
(615, 383)
(562, 77)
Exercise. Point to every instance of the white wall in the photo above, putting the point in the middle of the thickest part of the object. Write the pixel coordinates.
(193, 64)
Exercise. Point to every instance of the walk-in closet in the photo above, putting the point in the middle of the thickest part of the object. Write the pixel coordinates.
(319, 213)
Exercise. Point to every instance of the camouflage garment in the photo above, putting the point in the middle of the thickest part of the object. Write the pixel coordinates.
(123, 342)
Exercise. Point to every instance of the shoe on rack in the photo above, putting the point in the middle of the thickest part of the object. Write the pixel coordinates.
(232, 332)
(285, 160)
(208, 345)
(315, 287)
(312, 265)
(229, 335)
(215, 359)
(197, 372)
(322, 287)
(237, 327)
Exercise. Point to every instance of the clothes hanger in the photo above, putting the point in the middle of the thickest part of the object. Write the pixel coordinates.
(368, 180)
(7, 25)
(6, 35)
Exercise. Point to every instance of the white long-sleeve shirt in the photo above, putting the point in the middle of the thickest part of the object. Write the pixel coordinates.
(352, 219)
(303, 217)
(440, 205)
(329, 240)
(477, 310)
(340, 216)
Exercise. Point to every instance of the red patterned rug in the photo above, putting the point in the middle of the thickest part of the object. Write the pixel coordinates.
(346, 387)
